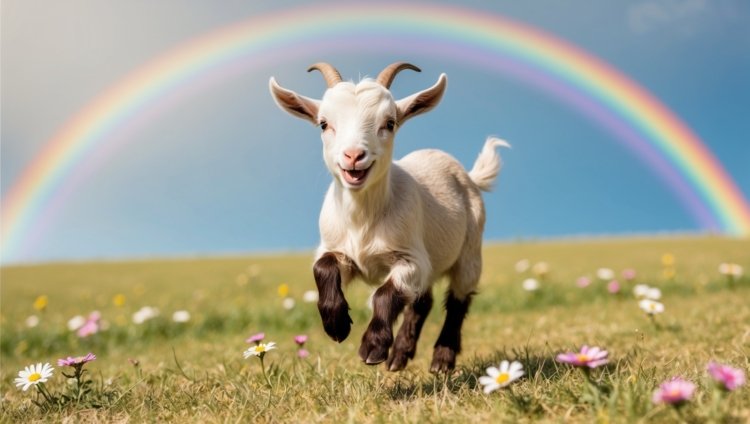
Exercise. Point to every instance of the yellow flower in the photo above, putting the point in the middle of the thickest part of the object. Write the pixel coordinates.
(119, 299)
(40, 303)
(283, 290)
(667, 259)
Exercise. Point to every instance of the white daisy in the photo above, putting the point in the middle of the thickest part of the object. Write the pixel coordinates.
(540, 268)
(33, 375)
(32, 321)
(76, 322)
(288, 303)
(181, 316)
(259, 350)
(310, 296)
(605, 274)
(530, 284)
(144, 314)
(640, 290)
(497, 378)
(731, 270)
(651, 307)
(522, 266)
(653, 293)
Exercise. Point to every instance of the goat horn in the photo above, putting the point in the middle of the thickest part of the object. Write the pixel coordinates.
(330, 73)
(386, 77)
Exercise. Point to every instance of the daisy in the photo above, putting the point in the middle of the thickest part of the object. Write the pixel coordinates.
(33, 375)
(605, 274)
(731, 270)
(310, 296)
(628, 274)
(590, 357)
(522, 266)
(501, 377)
(76, 362)
(181, 316)
(144, 314)
(727, 377)
(674, 392)
(583, 281)
(613, 287)
(540, 269)
(530, 284)
(256, 338)
(32, 321)
(651, 307)
(653, 293)
(288, 303)
(76, 322)
(259, 350)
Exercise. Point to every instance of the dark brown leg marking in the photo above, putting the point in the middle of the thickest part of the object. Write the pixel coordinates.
(448, 344)
(387, 303)
(333, 308)
(405, 345)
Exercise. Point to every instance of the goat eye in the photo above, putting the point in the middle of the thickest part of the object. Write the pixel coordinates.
(390, 125)
(323, 125)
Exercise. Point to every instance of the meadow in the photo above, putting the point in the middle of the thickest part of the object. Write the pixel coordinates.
(149, 367)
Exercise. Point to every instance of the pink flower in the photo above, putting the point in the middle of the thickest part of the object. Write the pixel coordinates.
(729, 378)
(301, 339)
(77, 361)
(590, 357)
(303, 353)
(613, 287)
(256, 338)
(583, 281)
(628, 274)
(674, 392)
(91, 326)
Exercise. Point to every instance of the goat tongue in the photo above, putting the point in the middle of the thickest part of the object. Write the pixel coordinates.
(356, 173)
(355, 176)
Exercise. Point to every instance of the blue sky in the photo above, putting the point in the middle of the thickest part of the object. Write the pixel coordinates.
(224, 171)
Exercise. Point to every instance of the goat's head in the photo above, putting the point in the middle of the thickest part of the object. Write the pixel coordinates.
(358, 121)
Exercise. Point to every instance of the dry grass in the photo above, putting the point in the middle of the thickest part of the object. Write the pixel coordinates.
(195, 371)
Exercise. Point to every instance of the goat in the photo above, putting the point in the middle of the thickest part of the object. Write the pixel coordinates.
(399, 226)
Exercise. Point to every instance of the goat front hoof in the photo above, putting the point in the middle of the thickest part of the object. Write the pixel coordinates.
(374, 348)
(443, 360)
(397, 361)
(336, 321)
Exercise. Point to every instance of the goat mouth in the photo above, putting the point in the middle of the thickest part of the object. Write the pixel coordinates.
(356, 177)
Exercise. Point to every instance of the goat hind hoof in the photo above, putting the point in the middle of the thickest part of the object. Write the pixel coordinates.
(443, 360)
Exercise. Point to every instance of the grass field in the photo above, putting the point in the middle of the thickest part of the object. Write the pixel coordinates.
(195, 371)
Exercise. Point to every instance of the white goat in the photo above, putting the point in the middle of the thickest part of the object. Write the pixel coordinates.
(399, 225)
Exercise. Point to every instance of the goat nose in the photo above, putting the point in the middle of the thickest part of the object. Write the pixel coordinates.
(352, 156)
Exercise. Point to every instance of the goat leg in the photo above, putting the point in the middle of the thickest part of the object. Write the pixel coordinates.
(333, 307)
(387, 303)
(405, 346)
(448, 344)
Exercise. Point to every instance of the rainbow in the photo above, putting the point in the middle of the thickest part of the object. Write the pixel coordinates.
(628, 111)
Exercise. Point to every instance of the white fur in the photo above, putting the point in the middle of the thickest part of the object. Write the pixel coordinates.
(413, 220)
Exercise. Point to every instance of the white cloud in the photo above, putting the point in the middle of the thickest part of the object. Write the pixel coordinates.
(677, 16)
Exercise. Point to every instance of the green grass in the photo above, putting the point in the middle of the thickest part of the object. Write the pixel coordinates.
(195, 371)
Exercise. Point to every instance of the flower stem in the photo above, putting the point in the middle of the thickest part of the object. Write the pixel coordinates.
(263, 368)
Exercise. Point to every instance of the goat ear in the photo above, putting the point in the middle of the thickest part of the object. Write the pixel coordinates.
(297, 105)
(421, 102)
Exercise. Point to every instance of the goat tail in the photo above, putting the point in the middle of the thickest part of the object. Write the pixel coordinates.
(488, 164)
